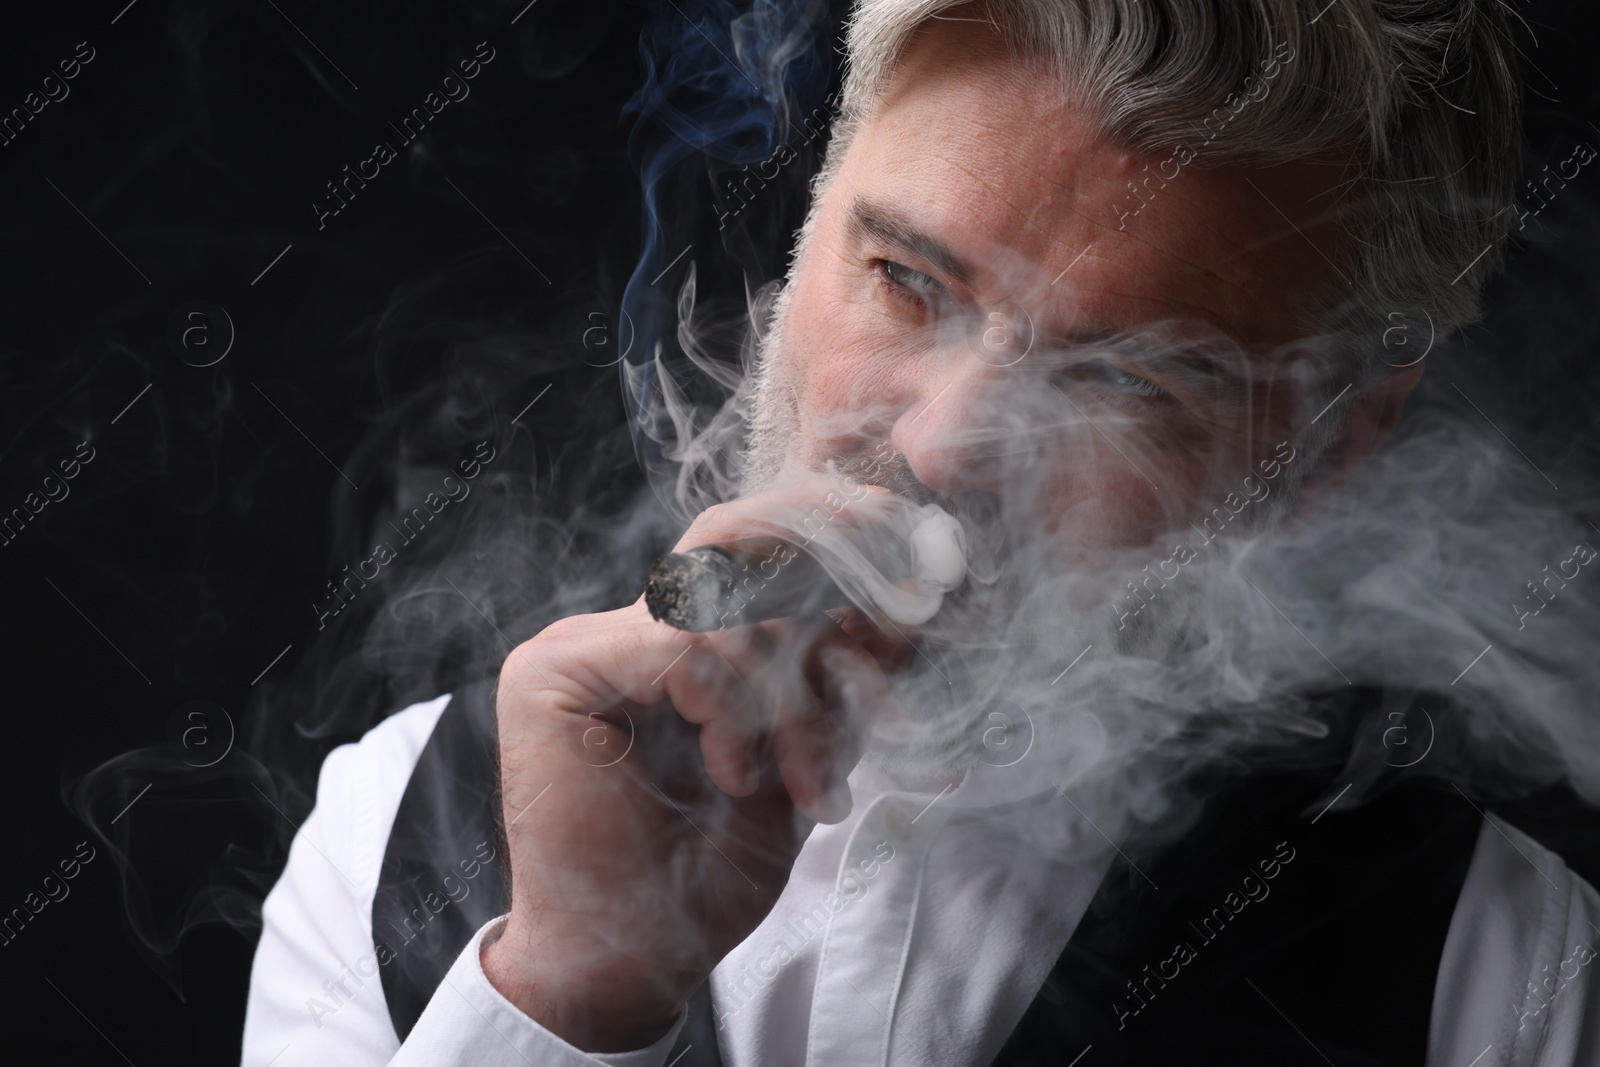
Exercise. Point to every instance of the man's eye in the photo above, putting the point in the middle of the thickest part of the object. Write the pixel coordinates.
(1120, 379)
(914, 281)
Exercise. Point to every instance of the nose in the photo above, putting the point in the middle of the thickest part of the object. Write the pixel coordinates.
(954, 432)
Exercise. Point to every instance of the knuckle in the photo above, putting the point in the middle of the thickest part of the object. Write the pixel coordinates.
(534, 665)
(521, 673)
(706, 524)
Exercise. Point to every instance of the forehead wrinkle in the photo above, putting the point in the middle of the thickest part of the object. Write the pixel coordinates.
(1203, 236)
(1096, 219)
(1209, 315)
(1075, 195)
(1254, 251)
(1236, 250)
(1252, 258)
(1008, 164)
(1216, 316)
(1025, 218)
(1028, 218)
(1072, 186)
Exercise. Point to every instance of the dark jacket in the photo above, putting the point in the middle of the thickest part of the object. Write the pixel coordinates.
(1281, 933)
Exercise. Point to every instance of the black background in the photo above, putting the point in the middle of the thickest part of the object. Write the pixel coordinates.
(453, 289)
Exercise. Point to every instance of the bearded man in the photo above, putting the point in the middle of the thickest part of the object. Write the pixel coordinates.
(1106, 281)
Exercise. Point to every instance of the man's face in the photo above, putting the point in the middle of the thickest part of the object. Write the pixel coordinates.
(974, 200)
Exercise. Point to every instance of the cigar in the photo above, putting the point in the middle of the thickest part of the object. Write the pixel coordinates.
(738, 583)
(761, 578)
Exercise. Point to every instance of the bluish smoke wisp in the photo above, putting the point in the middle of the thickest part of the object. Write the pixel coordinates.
(720, 85)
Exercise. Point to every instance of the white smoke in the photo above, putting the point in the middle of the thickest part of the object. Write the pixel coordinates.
(1239, 627)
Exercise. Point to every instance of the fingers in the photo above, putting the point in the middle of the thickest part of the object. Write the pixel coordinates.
(892, 651)
(856, 691)
(853, 683)
(807, 744)
(818, 691)
(790, 724)
(791, 695)
(597, 661)
(806, 736)
(705, 689)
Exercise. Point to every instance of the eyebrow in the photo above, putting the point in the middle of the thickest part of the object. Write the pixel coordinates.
(868, 218)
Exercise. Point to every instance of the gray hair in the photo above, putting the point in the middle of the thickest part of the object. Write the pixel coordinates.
(1422, 95)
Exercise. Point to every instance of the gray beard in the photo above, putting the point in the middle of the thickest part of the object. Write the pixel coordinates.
(773, 421)
(1167, 632)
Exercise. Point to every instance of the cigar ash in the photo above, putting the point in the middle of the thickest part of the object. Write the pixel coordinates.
(738, 583)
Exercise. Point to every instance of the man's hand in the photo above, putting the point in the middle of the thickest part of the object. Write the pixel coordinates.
(657, 788)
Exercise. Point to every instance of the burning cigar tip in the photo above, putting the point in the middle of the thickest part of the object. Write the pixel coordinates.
(742, 582)
(738, 583)
(687, 589)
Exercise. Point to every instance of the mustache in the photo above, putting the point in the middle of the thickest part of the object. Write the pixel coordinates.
(886, 466)
(981, 514)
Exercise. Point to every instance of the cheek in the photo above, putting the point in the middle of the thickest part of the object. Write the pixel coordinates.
(838, 353)
(1092, 497)
(1098, 502)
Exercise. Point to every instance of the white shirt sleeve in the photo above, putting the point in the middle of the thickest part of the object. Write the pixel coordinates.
(316, 997)
(1519, 984)
(468, 1023)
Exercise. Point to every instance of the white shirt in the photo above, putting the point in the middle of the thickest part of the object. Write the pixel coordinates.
(846, 969)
